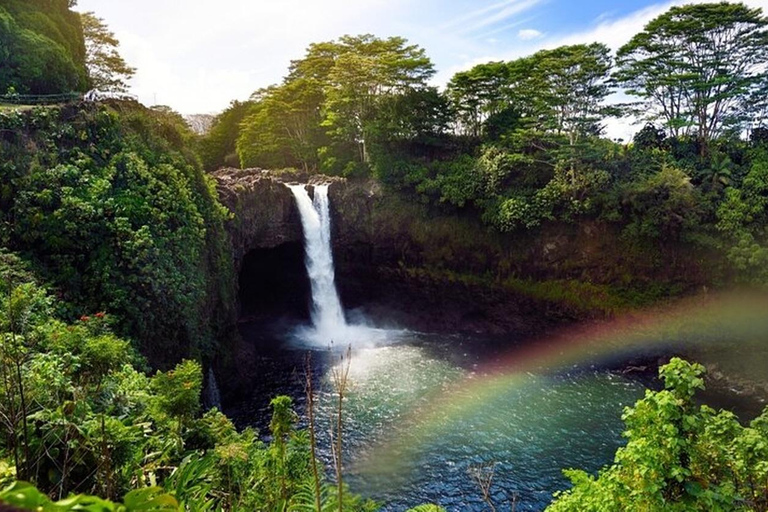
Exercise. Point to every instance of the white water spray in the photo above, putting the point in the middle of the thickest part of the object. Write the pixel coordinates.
(329, 326)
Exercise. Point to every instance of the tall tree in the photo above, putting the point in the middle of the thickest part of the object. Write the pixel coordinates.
(282, 128)
(560, 91)
(41, 48)
(366, 70)
(572, 85)
(107, 69)
(218, 146)
(335, 101)
(696, 66)
(480, 93)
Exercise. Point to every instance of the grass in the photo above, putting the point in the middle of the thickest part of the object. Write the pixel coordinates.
(13, 106)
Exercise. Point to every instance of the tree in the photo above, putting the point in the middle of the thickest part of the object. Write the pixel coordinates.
(418, 114)
(40, 50)
(560, 91)
(742, 218)
(218, 146)
(329, 108)
(107, 69)
(480, 93)
(178, 391)
(660, 205)
(282, 128)
(366, 70)
(696, 67)
(575, 85)
(678, 457)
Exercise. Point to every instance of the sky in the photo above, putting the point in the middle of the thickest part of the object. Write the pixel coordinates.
(198, 55)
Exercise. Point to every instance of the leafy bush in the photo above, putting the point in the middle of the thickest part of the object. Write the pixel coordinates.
(27, 497)
(76, 415)
(43, 51)
(678, 456)
(113, 208)
(664, 204)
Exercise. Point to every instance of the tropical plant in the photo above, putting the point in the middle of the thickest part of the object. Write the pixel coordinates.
(679, 456)
(696, 66)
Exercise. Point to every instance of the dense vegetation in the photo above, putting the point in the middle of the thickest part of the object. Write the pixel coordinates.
(42, 48)
(77, 414)
(519, 143)
(112, 208)
(114, 257)
(678, 456)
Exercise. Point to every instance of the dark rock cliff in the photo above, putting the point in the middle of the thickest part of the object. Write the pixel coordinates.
(406, 263)
(264, 213)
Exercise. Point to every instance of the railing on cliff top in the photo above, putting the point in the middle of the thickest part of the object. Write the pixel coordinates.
(54, 99)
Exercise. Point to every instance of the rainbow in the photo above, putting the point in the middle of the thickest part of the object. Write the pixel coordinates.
(717, 327)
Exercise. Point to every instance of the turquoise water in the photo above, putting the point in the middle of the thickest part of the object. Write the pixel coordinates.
(423, 411)
(417, 424)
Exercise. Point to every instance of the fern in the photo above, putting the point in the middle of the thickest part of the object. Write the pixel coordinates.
(304, 499)
(427, 508)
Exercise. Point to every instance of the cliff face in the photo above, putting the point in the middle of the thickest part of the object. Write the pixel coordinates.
(374, 228)
(263, 209)
(402, 261)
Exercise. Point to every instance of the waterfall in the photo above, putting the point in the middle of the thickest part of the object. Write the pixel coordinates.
(327, 314)
(211, 394)
(329, 325)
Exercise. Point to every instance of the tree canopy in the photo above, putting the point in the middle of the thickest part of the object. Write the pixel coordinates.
(327, 106)
(42, 50)
(697, 67)
(107, 70)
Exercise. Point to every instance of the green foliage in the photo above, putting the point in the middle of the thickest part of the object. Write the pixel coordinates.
(337, 101)
(218, 146)
(103, 427)
(115, 210)
(481, 93)
(697, 66)
(282, 127)
(742, 217)
(663, 204)
(178, 390)
(27, 497)
(42, 48)
(107, 70)
(560, 91)
(678, 456)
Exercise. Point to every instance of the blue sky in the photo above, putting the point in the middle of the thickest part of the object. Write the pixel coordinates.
(198, 55)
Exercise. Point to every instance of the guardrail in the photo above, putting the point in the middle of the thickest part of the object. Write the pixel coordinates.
(53, 99)
(40, 99)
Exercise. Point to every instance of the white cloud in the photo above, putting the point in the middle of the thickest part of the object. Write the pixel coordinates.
(198, 55)
(502, 14)
(479, 13)
(616, 32)
(528, 34)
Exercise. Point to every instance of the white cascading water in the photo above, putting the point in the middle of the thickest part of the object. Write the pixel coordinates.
(211, 394)
(327, 314)
(329, 326)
